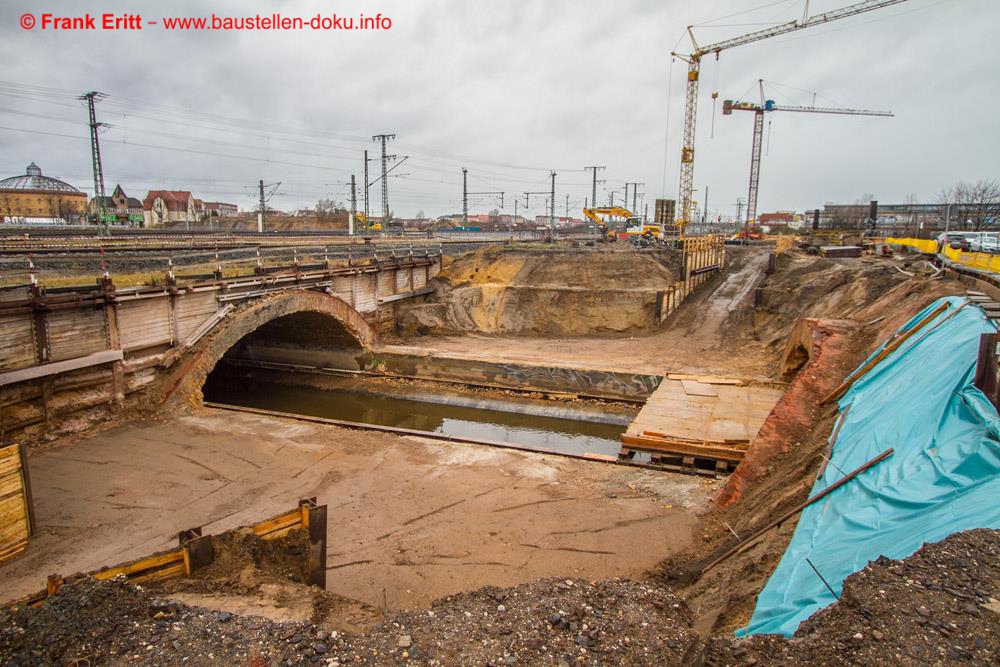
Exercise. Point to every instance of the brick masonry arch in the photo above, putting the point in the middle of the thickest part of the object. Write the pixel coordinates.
(309, 317)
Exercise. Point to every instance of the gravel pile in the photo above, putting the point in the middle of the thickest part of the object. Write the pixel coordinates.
(940, 606)
(556, 622)
(548, 622)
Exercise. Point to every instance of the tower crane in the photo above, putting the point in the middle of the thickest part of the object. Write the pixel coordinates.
(767, 106)
(693, 60)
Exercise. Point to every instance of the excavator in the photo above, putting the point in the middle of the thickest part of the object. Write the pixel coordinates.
(634, 225)
(365, 225)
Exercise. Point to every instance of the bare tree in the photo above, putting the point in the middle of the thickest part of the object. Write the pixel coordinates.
(6, 207)
(59, 208)
(326, 208)
(974, 205)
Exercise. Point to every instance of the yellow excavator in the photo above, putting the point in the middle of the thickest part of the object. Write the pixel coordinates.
(365, 226)
(633, 224)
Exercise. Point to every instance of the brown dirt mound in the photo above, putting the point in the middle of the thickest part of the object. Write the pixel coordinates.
(548, 292)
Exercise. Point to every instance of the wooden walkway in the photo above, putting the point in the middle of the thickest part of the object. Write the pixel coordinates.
(698, 421)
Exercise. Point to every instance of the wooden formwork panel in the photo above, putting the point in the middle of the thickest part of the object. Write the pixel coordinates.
(15, 517)
(15, 294)
(193, 310)
(404, 280)
(17, 341)
(144, 323)
(342, 286)
(433, 269)
(365, 299)
(419, 277)
(386, 283)
(76, 333)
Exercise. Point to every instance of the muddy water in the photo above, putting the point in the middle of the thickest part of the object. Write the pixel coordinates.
(542, 433)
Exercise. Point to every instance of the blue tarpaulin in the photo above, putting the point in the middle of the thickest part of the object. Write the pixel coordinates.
(944, 476)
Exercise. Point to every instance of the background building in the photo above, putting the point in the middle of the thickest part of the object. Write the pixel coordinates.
(164, 206)
(119, 209)
(36, 199)
(218, 209)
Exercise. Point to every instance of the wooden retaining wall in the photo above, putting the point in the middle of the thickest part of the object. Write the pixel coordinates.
(701, 257)
(69, 350)
(195, 552)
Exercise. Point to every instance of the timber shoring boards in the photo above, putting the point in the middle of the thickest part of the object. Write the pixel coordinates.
(15, 503)
(700, 419)
(195, 552)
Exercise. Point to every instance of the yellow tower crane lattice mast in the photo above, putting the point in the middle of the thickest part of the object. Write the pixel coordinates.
(693, 60)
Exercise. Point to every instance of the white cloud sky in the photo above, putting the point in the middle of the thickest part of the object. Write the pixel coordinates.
(508, 90)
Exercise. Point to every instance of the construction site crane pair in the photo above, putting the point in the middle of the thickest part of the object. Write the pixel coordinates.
(694, 59)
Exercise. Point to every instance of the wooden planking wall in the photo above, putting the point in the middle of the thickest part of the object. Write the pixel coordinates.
(343, 287)
(17, 342)
(192, 309)
(365, 300)
(419, 277)
(15, 518)
(76, 333)
(386, 283)
(144, 323)
(404, 280)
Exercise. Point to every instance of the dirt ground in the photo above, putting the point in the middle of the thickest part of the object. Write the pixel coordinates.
(410, 520)
(717, 329)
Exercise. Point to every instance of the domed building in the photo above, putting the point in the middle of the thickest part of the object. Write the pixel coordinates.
(32, 198)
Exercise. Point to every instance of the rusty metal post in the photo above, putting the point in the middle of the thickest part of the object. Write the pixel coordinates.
(316, 520)
(987, 368)
(198, 550)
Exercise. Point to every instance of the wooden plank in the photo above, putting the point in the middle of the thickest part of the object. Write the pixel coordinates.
(695, 388)
(155, 561)
(17, 334)
(144, 323)
(76, 333)
(283, 522)
(706, 379)
(44, 370)
(672, 447)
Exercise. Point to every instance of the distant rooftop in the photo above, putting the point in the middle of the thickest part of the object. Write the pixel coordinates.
(32, 180)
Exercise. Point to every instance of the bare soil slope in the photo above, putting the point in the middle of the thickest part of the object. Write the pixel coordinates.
(562, 292)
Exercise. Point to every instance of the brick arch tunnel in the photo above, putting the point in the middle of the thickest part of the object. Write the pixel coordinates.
(311, 328)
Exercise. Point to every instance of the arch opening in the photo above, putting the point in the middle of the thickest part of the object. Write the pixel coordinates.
(297, 328)
(305, 338)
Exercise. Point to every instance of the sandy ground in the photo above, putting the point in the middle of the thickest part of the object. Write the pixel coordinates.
(416, 518)
(695, 340)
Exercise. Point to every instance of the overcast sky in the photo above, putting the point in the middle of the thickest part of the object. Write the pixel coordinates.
(509, 90)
